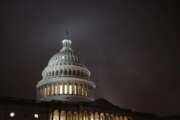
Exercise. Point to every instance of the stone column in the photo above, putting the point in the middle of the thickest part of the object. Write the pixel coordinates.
(72, 84)
(67, 86)
(62, 88)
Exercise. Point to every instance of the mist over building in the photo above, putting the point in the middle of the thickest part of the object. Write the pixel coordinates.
(66, 92)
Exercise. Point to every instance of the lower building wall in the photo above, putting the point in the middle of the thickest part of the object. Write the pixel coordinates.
(32, 112)
(84, 115)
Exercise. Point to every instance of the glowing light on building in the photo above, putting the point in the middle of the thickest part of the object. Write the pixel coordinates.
(36, 116)
(12, 114)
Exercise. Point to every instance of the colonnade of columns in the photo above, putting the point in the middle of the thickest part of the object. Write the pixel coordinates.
(78, 89)
(68, 115)
(67, 72)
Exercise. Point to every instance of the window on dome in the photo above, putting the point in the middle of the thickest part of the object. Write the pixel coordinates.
(85, 74)
(56, 72)
(56, 89)
(74, 72)
(45, 91)
(70, 89)
(48, 90)
(82, 91)
(82, 74)
(70, 72)
(61, 72)
(85, 92)
(65, 89)
(52, 89)
(76, 59)
(75, 89)
(78, 72)
(61, 89)
(65, 72)
(79, 89)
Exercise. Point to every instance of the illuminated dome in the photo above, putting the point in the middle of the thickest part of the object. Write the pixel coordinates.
(64, 78)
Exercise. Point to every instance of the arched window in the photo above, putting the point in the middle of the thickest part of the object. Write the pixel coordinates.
(50, 74)
(70, 72)
(76, 59)
(74, 72)
(53, 73)
(56, 72)
(86, 91)
(82, 74)
(79, 89)
(73, 58)
(78, 72)
(61, 72)
(65, 72)
(85, 75)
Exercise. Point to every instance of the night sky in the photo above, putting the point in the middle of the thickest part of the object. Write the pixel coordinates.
(130, 47)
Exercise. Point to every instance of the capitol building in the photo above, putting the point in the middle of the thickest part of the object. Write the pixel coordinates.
(66, 92)
(65, 78)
